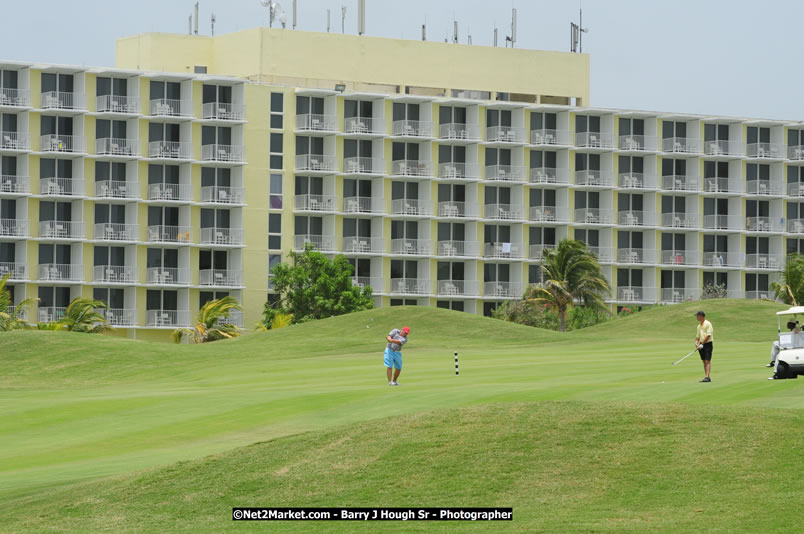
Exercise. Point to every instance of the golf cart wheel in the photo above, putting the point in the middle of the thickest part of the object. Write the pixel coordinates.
(783, 371)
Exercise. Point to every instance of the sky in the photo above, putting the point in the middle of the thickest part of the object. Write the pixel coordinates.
(716, 57)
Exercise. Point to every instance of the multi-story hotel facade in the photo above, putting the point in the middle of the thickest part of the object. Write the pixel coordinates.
(441, 171)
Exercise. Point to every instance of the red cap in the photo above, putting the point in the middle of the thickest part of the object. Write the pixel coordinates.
(405, 330)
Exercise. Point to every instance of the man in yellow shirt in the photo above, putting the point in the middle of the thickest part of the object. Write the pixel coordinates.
(703, 342)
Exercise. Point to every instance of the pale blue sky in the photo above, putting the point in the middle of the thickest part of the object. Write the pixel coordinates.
(726, 57)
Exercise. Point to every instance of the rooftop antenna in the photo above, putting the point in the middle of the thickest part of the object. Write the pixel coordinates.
(274, 10)
(361, 17)
(190, 24)
(424, 32)
(469, 38)
(195, 12)
(328, 20)
(495, 36)
(294, 14)
(343, 19)
(512, 37)
(455, 32)
(576, 34)
(212, 21)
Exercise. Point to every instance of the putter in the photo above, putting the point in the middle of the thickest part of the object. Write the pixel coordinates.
(685, 357)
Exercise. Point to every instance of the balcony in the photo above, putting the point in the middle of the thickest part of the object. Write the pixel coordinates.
(167, 318)
(456, 288)
(795, 226)
(222, 236)
(594, 140)
(223, 153)
(13, 228)
(117, 104)
(363, 205)
(549, 214)
(679, 220)
(636, 255)
(720, 259)
(681, 145)
(62, 143)
(220, 277)
(548, 175)
(635, 218)
(679, 257)
(794, 189)
(115, 274)
(223, 111)
(321, 243)
(170, 150)
(173, 192)
(676, 182)
(61, 272)
(546, 137)
(168, 276)
(414, 247)
(459, 210)
(795, 152)
(412, 207)
(636, 294)
(316, 163)
(313, 122)
(117, 232)
(359, 165)
(407, 128)
(168, 107)
(363, 245)
(15, 97)
(764, 224)
(637, 143)
(117, 147)
(14, 271)
(762, 294)
(376, 284)
(676, 294)
(161, 233)
(594, 178)
(410, 286)
(594, 216)
(219, 194)
(502, 250)
(454, 170)
(723, 148)
(62, 100)
(505, 134)
(504, 212)
(454, 131)
(466, 249)
(61, 187)
(411, 167)
(765, 150)
(505, 173)
(14, 141)
(364, 125)
(603, 254)
(723, 222)
(636, 180)
(536, 252)
(235, 318)
(506, 290)
(763, 187)
(50, 314)
(14, 184)
(720, 185)
(315, 202)
(119, 317)
(61, 229)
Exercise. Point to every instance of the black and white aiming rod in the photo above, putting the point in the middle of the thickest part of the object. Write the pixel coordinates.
(456, 364)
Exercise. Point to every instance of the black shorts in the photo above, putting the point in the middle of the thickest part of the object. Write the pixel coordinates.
(706, 351)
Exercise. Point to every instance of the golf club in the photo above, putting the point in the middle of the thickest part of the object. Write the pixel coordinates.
(685, 357)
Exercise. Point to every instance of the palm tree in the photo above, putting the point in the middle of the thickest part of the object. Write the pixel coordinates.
(279, 320)
(82, 316)
(790, 289)
(571, 274)
(11, 317)
(209, 326)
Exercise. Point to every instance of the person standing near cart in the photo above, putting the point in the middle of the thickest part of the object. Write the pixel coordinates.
(393, 353)
(703, 342)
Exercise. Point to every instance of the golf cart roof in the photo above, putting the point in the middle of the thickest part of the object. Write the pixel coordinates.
(792, 311)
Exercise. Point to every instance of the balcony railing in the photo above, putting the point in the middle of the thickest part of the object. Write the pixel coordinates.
(636, 180)
(62, 143)
(412, 206)
(407, 128)
(548, 175)
(316, 163)
(315, 202)
(764, 261)
(222, 236)
(681, 145)
(763, 224)
(761, 294)
(764, 150)
(14, 141)
(723, 148)
(376, 284)
(13, 227)
(61, 229)
(595, 178)
(457, 248)
(219, 194)
(675, 295)
(62, 100)
(416, 247)
(234, 318)
(680, 220)
(117, 147)
(763, 187)
(223, 111)
(410, 286)
(170, 150)
(636, 294)
(795, 226)
(675, 182)
(795, 189)
(61, 271)
(315, 122)
(220, 277)
(636, 255)
(603, 254)
(321, 243)
(411, 167)
(363, 245)
(50, 314)
(458, 171)
(594, 140)
(358, 165)
(117, 104)
(506, 290)
(161, 233)
(451, 208)
(120, 274)
(117, 232)
(168, 275)
(454, 130)
(16, 184)
(549, 214)
(594, 216)
(363, 205)
(363, 125)
(635, 218)
(505, 173)
(795, 152)
(720, 259)
(546, 136)
(14, 271)
(167, 318)
(719, 185)
(168, 107)
(680, 257)
(637, 142)
(506, 212)
(536, 252)
(723, 222)
(119, 316)
(163, 191)
(505, 134)
(15, 97)
(502, 250)
(456, 287)
(223, 153)
(61, 187)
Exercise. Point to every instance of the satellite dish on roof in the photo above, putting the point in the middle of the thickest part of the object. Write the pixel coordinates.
(274, 12)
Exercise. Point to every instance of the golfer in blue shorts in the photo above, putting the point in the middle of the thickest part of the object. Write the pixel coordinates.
(393, 353)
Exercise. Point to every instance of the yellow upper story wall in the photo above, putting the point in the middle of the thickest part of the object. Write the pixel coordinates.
(309, 58)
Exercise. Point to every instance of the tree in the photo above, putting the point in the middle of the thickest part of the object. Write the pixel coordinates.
(790, 289)
(278, 319)
(209, 326)
(81, 315)
(571, 274)
(11, 317)
(315, 287)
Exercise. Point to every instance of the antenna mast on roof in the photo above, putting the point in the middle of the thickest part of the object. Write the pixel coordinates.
(424, 32)
(576, 34)
(294, 14)
(190, 24)
(512, 38)
(361, 17)
(495, 36)
(212, 21)
(455, 32)
(328, 20)
(195, 25)
(343, 19)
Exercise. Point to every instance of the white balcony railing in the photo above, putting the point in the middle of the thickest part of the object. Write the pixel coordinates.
(507, 290)
(223, 111)
(636, 294)
(117, 147)
(364, 125)
(795, 152)
(50, 314)
(316, 123)
(549, 214)
(536, 252)
(719, 185)
(220, 277)
(760, 294)
(363, 245)
(720, 259)
(763, 187)
(410, 286)
(170, 150)
(594, 216)
(161, 233)
(502, 250)
(412, 206)
(315, 202)
(116, 189)
(14, 183)
(223, 153)
(764, 261)
(62, 143)
(454, 209)
(680, 220)
(458, 171)
(505, 173)
(168, 107)
(168, 275)
(594, 178)
(14, 140)
(363, 205)
(723, 222)
(411, 167)
(219, 194)
(14, 271)
(723, 148)
(416, 247)
(548, 175)
(376, 284)
(466, 288)
(222, 236)
(795, 189)
(505, 134)
(117, 104)
(506, 212)
(321, 243)
(681, 145)
(635, 218)
(795, 226)
(764, 224)
(765, 150)
(458, 131)
(234, 318)
(15, 97)
(119, 274)
(603, 254)
(594, 140)
(14, 227)
(61, 271)
(457, 248)
(61, 229)
(636, 180)
(680, 257)
(546, 136)
(62, 100)
(407, 128)
(676, 294)
(117, 232)
(118, 316)
(316, 163)
(163, 191)
(167, 318)
(675, 182)
(636, 255)
(359, 165)
(635, 142)
(61, 187)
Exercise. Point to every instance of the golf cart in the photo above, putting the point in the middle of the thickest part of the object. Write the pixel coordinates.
(791, 346)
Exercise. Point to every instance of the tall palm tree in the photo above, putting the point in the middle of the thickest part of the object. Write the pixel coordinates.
(790, 289)
(209, 326)
(11, 317)
(81, 315)
(571, 274)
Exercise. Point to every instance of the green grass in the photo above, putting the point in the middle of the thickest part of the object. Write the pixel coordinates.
(592, 430)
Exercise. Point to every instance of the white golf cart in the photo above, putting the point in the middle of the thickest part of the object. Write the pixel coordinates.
(791, 346)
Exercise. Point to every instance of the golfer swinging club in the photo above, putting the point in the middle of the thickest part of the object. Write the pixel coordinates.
(703, 342)
(393, 353)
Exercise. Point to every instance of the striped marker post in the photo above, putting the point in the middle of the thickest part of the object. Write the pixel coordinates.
(456, 364)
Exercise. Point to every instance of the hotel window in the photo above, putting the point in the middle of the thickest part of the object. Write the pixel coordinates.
(404, 302)
(672, 129)
(207, 296)
(715, 279)
(276, 192)
(273, 261)
(756, 285)
(274, 231)
(535, 274)
(277, 108)
(454, 305)
(795, 246)
(276, 151)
